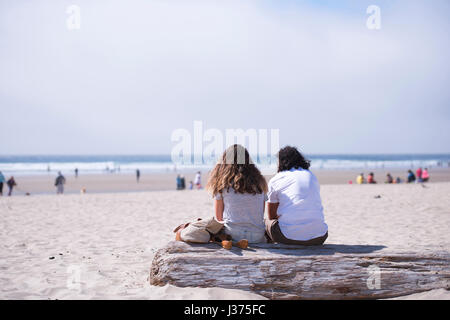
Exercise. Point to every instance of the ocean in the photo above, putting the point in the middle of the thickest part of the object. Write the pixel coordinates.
(32, 165)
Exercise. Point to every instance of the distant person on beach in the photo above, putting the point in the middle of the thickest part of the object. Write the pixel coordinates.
(411, 177)
(59, 183)
(76, 172)
(198, 180)
(371, 179)
(398, 180)
(389, 178)
(138, 175)
(294, 205)
(425, 175)
(11, 184)
(178, 182)
(360, 179)
(183, 183)
(419, 174)
(191, 185)
(2, 181)
(239, 190)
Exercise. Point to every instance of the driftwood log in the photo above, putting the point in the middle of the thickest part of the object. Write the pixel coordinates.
(280, 271)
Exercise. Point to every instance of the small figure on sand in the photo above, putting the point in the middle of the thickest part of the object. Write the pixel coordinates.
(178, 182)
(59, 183)
(198, 180)
(2, 181)
(138, 175)
(411, 177)
(183, 183)
(389, 178)
(419, 174)
(425, 175)
(371, 178)
(191, 185)
(76, 172)
(11, 184)
(360, 179)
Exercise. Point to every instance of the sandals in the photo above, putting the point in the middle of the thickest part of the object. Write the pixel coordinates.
(243, 244)
(227, 244)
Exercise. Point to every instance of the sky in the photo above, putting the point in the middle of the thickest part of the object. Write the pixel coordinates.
(137, 70)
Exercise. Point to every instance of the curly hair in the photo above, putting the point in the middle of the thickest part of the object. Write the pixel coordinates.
(236, 170)
(289, 157)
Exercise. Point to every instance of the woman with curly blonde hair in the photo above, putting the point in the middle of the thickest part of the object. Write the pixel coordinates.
(239, 190)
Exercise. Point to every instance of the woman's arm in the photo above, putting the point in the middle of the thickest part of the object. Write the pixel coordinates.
(272, 210)
(218, 206)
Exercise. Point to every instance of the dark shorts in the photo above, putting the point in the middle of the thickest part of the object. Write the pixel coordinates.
(274, 234)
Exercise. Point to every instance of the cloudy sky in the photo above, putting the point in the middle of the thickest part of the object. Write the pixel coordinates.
(137, 70)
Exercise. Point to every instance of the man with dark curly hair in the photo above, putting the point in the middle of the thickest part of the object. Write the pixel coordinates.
(294, 205)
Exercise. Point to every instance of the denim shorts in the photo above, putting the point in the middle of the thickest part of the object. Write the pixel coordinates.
(239, 234)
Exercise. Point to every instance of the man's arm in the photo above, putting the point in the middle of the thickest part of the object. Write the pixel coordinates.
(272, 210)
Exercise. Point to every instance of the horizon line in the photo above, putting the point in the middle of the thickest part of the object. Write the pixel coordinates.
(169, 154)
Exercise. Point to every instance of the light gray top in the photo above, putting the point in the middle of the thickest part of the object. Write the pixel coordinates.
(243, 214)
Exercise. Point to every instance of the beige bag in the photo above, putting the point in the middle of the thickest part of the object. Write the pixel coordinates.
(199, 231)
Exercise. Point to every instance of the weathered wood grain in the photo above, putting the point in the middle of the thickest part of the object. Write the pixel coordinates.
(293, 272)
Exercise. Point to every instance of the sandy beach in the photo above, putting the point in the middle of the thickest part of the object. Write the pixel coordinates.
(104, 106)
(101, 245)
(115, 183)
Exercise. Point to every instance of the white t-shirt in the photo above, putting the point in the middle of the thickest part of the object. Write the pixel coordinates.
(197, 178)
(300, 208)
